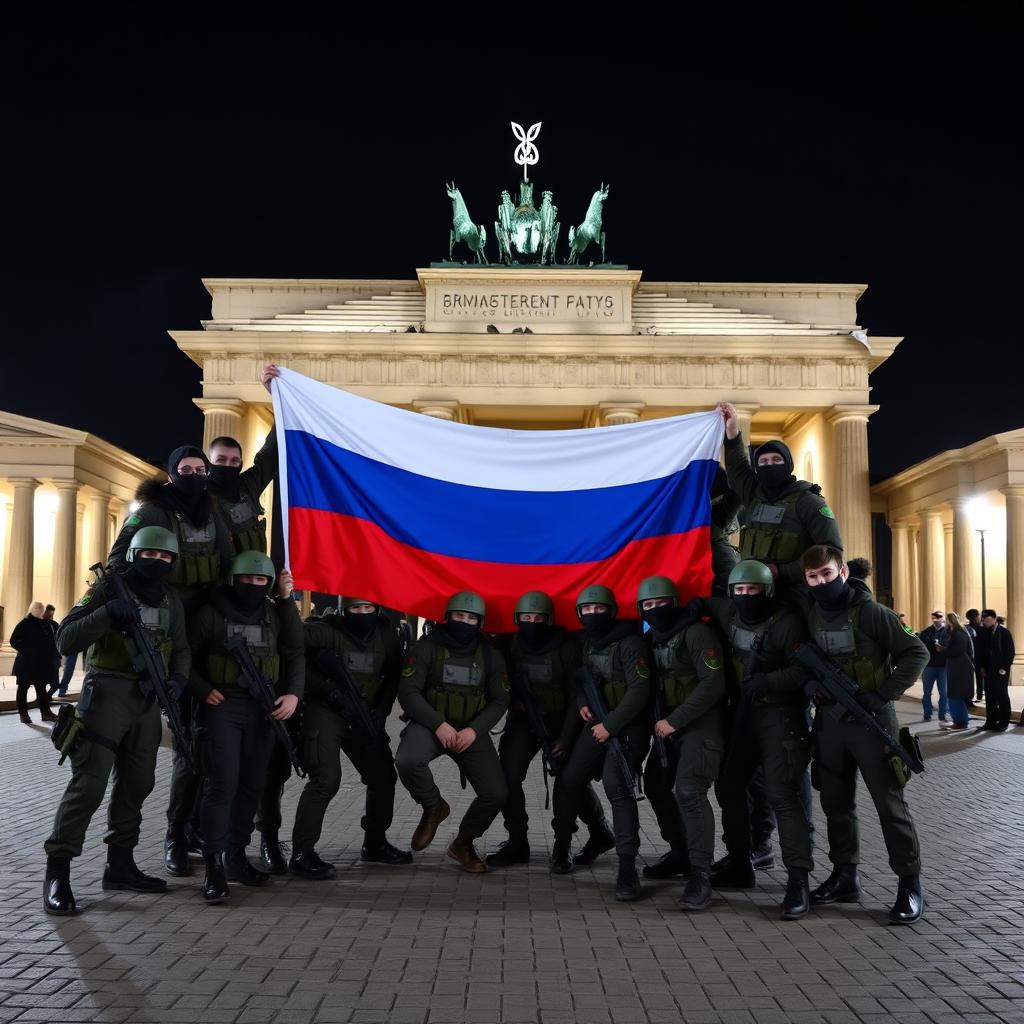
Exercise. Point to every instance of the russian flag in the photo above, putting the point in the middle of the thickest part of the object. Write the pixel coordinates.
(405, 509)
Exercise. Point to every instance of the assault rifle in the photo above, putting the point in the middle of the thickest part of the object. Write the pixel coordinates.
(523, 693)
(348, 694)
(843, 692)
(261, 689)
(148, 662)
(595, 701)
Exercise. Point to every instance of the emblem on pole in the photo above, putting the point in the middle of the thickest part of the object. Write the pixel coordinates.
(526, 152)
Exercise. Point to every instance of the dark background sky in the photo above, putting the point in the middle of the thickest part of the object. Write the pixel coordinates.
(880, 148)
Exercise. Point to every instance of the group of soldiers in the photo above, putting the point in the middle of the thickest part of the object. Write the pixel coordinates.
(712, 696)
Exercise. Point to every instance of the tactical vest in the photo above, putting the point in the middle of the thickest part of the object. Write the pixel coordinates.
(741, 642)
(113, 651)
(365, 666)
(769, 535)
(223, 671)
(676, 684)
(851, 649)
(546, 676)
(246, 522)
(457, 685)
(606, 665)
(198, 560)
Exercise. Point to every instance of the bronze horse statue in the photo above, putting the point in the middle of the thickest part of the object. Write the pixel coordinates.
(590, 230)
(463, 228)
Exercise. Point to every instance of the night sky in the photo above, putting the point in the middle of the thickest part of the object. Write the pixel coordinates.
(141, 158)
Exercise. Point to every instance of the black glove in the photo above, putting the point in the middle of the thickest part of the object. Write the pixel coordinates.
(177, 684)
(815, 692)
(120, 611)
(756, 685)
(871, 701)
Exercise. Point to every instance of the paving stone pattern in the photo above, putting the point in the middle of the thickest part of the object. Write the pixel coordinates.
(429, 944)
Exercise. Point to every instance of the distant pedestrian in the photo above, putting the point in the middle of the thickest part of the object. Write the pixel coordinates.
(934, 638)
(973, 627)
(959, 672)
(33, 639)
(995, 668)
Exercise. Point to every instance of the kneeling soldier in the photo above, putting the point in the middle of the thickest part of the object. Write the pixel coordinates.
(770, 730)
(234, 737)
(121, 723)
(454, 690)
(369, 652)
(545, 658)
(616, 656)
(691, 681)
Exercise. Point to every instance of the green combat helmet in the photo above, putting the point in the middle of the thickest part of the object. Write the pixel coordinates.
(656, 587)
(597, 594)
(347, 602)
(752, 571)
(466, 601)
(152, 538)
(252, 563)
(535, 601)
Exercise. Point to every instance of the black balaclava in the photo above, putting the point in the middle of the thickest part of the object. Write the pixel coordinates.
(662, 618)
(753, 608)
(145, 576)
(224, 480)
(463, 633)
(833, 595)
(249, 596)
(188, 493)
(773, 480)
(360, 626)
(535, 634)
(597, 624)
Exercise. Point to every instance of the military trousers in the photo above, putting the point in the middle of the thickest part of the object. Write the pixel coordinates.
(592, 760)
(279, 771)
(325, 734)
(419, 746)
(841, 748)
(701, 750)
(776, 741)
(660, 790)
(119, 712)
(234, 741)
(186, 783)
(516, 751)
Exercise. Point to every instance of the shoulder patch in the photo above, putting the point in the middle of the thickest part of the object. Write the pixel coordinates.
(909, 631)
(84, 600)
(826, 512)
(712, 659)
(410, 666)
(643, 670)
(133, 520)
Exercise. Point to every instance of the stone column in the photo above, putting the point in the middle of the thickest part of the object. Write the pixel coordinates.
(933, 558)
(963, 557)
(65, 555)
(18, 590)
(914, 611)
(115, 518)
(947, 562)
(852, 500)
(611, 414)
(5, 554)
(901, 572)
(1015, 568)
(222, 417)
(97, 545)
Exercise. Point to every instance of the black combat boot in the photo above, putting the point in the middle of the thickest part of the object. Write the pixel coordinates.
(673, 864)
(798, 895)
(238, 868)
(270, 851)
(763, 858)
(123, 874)
(561, 862)
(698, 892)
(909, 905)
(215, 884)
(176, 853)
(58, 899)
(377, 850)
(601, 841)
(842, 886)
(307, 864)
(513, 851)
(736, 873)
(627, 884)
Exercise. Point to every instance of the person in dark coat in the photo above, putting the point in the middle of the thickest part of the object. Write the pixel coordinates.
(934, 637)
(33, 639)
(959, 651)
(995, 670)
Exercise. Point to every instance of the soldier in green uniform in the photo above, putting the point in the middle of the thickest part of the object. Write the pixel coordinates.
(546, 656)
(617, 657)
(183, 506)
(866, 641)
(690, 670)
(121, 724)
(763, 637)
(454, 690)
(369, 649)
(785, 516)
(234, 737)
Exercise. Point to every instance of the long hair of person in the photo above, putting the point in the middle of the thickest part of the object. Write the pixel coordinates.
(954, 620)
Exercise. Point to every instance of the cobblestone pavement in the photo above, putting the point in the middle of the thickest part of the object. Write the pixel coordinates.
(430, 944)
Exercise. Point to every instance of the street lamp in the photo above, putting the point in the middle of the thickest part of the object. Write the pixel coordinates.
(981, 513)
(984, 596)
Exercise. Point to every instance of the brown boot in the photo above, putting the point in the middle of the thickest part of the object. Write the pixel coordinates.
(462, 849)
(429, 822)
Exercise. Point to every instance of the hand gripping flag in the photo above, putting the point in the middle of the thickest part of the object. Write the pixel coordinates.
(405, 509)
